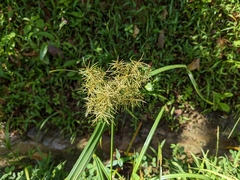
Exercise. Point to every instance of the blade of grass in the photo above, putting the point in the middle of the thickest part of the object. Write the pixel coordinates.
(159, 157)
(46, 120)
(7, 136)
(87, 153)
(236, 159)
(217, 145)
(166, 68)
(178, 166)
(61, 70)
(218, 174)
(101, 167)
(182, 175)
(147, 142)
(135, 119)
(234, 127)
(7, 142)
(196, 160)
(205, 161)
(195, 86)
(26, 173)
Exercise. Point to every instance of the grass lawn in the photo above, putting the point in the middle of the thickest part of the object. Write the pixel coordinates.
(46, 45)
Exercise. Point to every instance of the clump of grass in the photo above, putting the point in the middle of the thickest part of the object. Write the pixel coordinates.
(118, 87)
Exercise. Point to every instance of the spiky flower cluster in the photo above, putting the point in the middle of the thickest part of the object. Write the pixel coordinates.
(118, 87)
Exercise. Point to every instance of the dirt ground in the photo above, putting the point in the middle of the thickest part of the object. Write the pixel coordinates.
(199, 132)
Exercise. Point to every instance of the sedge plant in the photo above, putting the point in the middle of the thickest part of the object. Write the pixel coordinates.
(118, 87)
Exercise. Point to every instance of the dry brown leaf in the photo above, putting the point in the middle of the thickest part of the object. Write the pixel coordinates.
(39, 156)
(33, 53)
(135, 31)
(160, 43)
(164, 14)
(221, 42)
(54, 51)
(233, 148)
(9, 9)
(178, 112)
(47, 15)
(195, 64)
(236, 16)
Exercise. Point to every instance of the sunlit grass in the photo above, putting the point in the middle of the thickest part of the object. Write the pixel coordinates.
(87, 32)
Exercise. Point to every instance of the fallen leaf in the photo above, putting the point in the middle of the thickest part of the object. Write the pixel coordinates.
(164, 14)
(233, 148)
(15, 60)
(54, 51)
(160, 43)
(47, 15)
(135, 31)
(221, 42)
(236, 16)
(178, 112)
(33, 53)
(39, 156)
(195, 64)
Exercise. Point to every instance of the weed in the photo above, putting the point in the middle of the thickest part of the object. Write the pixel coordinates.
(118, 87)
(69, 34)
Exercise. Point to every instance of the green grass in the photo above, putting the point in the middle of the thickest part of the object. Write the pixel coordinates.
(83, 33)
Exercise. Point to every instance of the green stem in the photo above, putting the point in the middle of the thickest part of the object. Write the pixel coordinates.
(87, 153)
(111, 149)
